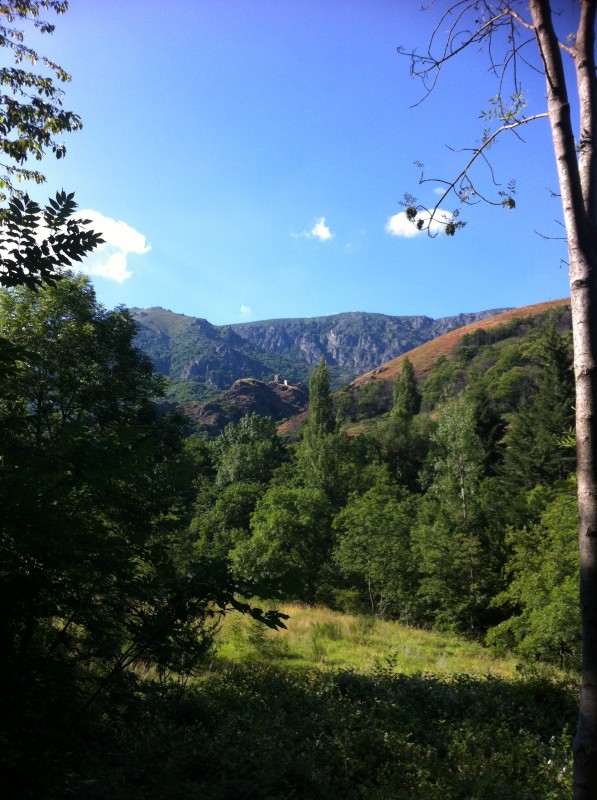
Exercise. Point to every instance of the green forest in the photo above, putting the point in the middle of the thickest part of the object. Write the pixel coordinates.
(131, 543)
(379, 604)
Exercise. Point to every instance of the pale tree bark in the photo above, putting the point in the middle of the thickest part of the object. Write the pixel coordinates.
(577, 175)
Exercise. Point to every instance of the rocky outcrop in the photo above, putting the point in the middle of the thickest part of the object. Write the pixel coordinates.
(247, 396)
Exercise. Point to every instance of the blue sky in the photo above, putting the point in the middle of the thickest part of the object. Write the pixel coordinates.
(246, 158)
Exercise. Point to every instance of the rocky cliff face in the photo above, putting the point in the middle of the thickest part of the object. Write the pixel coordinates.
(192, 350)
(356, 342)
(202, 359)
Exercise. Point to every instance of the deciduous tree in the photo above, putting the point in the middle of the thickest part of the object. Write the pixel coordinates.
(511, 32)
(31, 113)
(373, 545)
(290, 544)
(450, 541)
(543, 583)
(93, 487)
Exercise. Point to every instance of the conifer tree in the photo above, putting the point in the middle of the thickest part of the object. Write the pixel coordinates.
(534, 454)
(320, 401)
(406, 396)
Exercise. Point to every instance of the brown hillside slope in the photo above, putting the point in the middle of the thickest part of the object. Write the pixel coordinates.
(424, 357)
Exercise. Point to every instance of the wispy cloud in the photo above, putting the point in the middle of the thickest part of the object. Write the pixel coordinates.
(319, 231)
(400, 225)
(109, 260)
(245, 310)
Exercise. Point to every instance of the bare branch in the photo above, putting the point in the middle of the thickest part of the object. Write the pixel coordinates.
(478, 152)
(523, 23)
(459, 37)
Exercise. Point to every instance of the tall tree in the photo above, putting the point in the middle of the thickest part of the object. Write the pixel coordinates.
(534, 453)
(93, 487)
(405, 394)
(321, 417)
(451, 544)
(507, 26)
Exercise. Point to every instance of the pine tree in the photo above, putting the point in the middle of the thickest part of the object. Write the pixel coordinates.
(534, 454)
(320, 401)
(406, 396)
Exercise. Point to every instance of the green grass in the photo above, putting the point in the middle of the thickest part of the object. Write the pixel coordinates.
(328, 640)
(348, 707)
(337, 707)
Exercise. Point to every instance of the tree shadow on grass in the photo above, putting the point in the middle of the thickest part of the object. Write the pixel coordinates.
(265, 734)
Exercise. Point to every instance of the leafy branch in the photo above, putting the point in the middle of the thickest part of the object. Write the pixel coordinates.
(31, 113)
(463, 187)
(36, 244)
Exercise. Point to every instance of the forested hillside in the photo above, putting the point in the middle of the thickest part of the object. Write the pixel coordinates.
(377, 601)
(443, 503)
(446, 501)
(204, 360)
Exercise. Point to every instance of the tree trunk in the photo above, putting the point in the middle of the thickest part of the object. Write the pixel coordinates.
(578, 187)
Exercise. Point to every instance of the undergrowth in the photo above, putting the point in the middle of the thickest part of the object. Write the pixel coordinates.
(335, 708)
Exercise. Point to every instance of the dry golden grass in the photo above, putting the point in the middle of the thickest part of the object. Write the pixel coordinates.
(424, 357)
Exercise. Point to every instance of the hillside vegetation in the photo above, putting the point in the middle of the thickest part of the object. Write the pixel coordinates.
(203, 360)
(425, 356)
(433, 517)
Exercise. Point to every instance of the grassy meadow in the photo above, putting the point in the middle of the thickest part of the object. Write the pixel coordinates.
(349, 707)
(317, 637)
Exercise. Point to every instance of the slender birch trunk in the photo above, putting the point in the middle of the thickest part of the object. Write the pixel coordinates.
(577, 174)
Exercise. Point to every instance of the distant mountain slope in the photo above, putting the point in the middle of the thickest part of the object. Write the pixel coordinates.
(203, 360)
(353, 341)
(424, 357)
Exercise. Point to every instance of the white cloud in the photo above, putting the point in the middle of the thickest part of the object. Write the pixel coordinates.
(400, 225)
(109, 260)
(245, 310)
(112, 267)
(319, 231)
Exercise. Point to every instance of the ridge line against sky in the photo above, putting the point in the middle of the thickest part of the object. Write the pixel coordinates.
(245, 160)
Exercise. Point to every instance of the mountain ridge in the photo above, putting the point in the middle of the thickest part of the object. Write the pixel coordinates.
(209, 358)
(218, 375)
